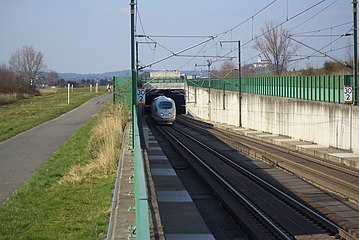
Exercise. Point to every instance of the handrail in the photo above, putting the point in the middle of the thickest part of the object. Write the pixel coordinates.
(141, 199)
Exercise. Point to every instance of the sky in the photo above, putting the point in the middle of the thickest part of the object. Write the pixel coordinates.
(93, 36)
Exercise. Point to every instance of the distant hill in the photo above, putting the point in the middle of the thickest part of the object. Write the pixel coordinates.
(76, 76)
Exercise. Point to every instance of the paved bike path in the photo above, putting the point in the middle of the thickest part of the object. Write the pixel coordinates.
(22, 154)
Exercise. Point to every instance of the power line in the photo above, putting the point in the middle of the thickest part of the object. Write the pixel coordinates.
(280, 24)
(323, 29)
(323, 35)
(323, 53)
(222, 35)
(291, 18)
(314, 15)
(172, 36)
(159, 44)
(179, 52)
(143, 29)
(248, 19)
(303, 57)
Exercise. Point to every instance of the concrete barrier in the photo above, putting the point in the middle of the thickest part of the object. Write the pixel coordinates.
(327, 124)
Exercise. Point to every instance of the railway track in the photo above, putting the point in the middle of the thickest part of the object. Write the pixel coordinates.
(264, 210)
(334, 177)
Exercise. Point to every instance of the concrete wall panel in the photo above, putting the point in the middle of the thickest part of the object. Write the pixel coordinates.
(327, 124)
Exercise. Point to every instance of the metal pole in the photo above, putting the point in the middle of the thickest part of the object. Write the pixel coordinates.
(355, 54)
(240, 83)
(209, 63)
(133, 66)
(137, 62)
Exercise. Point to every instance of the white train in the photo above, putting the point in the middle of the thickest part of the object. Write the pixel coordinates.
(163, 110)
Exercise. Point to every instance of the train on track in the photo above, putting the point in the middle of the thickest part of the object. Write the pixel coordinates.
(163, 110)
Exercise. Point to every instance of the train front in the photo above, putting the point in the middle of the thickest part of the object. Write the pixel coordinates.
(163, 110)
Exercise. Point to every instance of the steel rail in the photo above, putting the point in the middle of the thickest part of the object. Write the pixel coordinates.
(289, 198)
(322, 163)
(277, 231)
(332, 226)
(207, 127)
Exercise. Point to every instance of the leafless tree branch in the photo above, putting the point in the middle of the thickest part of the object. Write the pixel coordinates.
(27, 63)
(275, 46)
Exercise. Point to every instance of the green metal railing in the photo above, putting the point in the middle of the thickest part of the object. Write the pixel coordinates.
(326, 88)
(141, 199)
(122, 90)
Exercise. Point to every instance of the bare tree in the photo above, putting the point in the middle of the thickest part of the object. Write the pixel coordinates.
(228, 70)
(275, 46)
(27, 63)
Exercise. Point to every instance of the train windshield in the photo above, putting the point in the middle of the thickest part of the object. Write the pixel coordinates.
(165, 105)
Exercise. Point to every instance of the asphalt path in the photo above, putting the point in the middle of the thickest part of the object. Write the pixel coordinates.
(22, 154)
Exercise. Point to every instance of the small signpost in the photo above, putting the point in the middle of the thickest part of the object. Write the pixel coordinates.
(141, 96)
(68, 93)
(348, 94)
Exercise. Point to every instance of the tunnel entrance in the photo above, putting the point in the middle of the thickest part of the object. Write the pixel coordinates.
(178, 95)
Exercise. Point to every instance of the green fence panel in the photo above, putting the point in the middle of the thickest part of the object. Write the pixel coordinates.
(312, 88)
(330, 89)
(122, 91)
(325, 88)
(341, 92)
(321, 89)
(141, 198)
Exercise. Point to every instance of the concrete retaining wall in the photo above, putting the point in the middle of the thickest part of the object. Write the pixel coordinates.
(326, 124)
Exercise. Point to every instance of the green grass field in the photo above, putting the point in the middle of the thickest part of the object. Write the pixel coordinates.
(44, 209)
(69, 196)
(27, 113)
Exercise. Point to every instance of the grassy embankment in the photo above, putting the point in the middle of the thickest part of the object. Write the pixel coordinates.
(27, 113)
(69, 196)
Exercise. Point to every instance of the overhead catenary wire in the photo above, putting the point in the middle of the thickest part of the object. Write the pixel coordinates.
(177, 53)
(208, 47)
(323, 35)
(221, 35)
(248, 19)
(324, 29)
(314, 15)
(276, 26)
(172, 36)
(332, 44)
(324, 54)
(282, 23)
